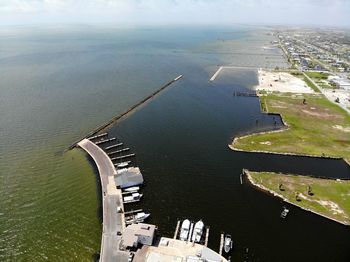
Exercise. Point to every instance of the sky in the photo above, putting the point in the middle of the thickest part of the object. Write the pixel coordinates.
(172, 12)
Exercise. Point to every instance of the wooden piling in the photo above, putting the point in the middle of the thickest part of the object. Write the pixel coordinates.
(206, 236)
(177, 229)
(221, 244)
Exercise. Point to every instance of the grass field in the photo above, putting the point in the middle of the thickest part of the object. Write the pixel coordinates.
(317, 75)
(327, 197)
(315, 128)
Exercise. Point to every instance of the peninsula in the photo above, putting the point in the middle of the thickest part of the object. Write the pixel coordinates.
(326, 197)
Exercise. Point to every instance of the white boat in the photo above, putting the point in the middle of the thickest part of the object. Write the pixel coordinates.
(284, 212)
(198, 231)
(228, 243)
(133, 198)
(141, 216)
(185, 228)
(132, 189)
(138, 218)
(123, 164)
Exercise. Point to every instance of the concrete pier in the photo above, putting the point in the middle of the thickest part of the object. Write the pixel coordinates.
(98, 136)
(105, 141)
(216, 74)
(119, 151)
(112, 203)
(113, 146)
(133, 211)
(230, 67)
(122, 157)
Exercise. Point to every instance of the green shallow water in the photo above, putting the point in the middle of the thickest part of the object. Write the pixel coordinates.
(47, 217)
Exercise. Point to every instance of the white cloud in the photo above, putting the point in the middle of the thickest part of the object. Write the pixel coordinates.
(176, 11)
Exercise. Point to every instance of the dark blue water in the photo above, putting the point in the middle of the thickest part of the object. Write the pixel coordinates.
(181, 141)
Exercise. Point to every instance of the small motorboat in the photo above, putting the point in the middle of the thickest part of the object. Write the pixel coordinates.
(132, 189)
(123, 164)
(141, 216)
(185, 228)
(285, 212)
(228, 243)
(138, 218)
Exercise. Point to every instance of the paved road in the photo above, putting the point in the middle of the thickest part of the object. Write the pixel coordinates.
(113, 222)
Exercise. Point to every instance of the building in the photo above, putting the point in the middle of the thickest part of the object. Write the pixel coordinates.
(341, 83)
(138, 234)
(128, 177)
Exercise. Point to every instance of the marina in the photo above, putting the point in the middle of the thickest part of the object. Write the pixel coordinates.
(121, 187)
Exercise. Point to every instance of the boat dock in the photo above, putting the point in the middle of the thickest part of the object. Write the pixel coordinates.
(206, 236)
(122, 157)
(118, 151)
(230, 67)
(216, 74)
(247, 94)
(98, 136)
(125, 113)
(132, 211)
(105, 141)
(221, 244)
(113, 146)
(177, 229)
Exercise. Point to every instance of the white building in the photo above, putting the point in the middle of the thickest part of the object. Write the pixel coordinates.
(136, 234)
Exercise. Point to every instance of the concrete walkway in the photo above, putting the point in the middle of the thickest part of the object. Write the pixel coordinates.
(113, 222)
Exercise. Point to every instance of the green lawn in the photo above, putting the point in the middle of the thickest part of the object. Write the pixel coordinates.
(315, 128)
(327, 197)
(317, 75)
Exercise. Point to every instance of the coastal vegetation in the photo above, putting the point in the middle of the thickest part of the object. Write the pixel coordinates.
(326, 197)
(310, 84)
(315, 127)
(317, 75)
(320, 78)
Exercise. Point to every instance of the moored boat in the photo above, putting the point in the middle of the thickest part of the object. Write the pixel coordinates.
(141, 216)
(132, 189)
(198, 231)
(227, 243)
(285, 212)
(137, 218)
(185, 228)
(123, 164)
(133, 198)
